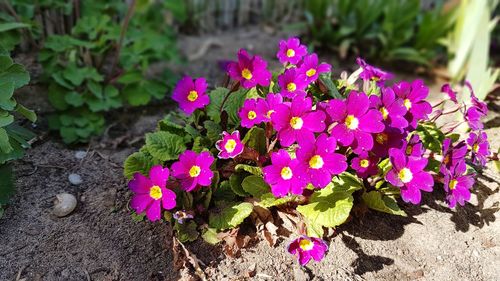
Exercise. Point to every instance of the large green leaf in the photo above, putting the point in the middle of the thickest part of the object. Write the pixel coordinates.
(257, 171)
(137, 162)
(382, 203)
(256, 138)
(165, 146)
(12, 25)
(216, 98)
(235, 181)
(431, 136)
(331, 205)
(268, 200)
(186, 232)
(5, 145)
(229, 216)
(255, 185)
(7, 187)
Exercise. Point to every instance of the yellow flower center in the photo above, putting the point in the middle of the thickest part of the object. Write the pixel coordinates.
(306, 244)
(407, 103)
(230, 145)
(290, 53)
(364, 163)
(193, 95)
(251, 115)
(475, 147)
(446, 159)
(194, 171)
(351, 122)
(316, 162)
(286, 173)
(247, 74)
(296, 123)
(311, 72)
(155, 192)
(291, 87)
(381, 138)
(269, 113)
(452, 184)
(409, 150)
(405, 175)
(384, 112)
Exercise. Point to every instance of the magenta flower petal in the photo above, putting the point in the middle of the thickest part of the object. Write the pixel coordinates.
(373, 73)
(249, 71)
(413, 96)
(291, 51)
(251, 113)
(479, 147)
(284, 175)
(365, 165)
(153, 213)
(449, 93)
(191, 94)
(168, 199)
(305, 248)
(310, 68)
(159, 175)
(140, 202)
(292, 83)
(139, 183)
(193, 169)
(230, 145)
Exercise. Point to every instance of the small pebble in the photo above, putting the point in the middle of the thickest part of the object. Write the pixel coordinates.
(64, 204)
(475, 253)
(80, 154)
(439, 258)
(75, 179)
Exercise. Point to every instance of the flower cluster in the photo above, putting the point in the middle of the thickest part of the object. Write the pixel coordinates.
(301, 140)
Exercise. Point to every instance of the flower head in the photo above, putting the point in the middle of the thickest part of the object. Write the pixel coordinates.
(306, 248)
(284, 175)
(355, 121)
(452, 154)
(270, 104)
(476, 111)
(319, 160)
(292, 83)
(191, 94)
(182, 216)
(413, 95)
(457, 184)
(449, 93)
(408, 174)
(389, 138)
(365, 165)
(297, 122)
(253, 112)
(311, 69)
(291, 51)
(373, 73)
(249, 71)
(193, 169)
(151, 193)
(479, 147)
(414, 146)
(230, 145)
(392, 108)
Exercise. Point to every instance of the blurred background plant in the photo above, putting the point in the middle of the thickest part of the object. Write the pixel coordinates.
(14, 138)
(95, 55)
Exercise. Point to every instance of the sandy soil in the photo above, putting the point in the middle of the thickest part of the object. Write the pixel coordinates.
(100, 241)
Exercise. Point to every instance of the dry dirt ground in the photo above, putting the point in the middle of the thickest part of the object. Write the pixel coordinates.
(100, 241)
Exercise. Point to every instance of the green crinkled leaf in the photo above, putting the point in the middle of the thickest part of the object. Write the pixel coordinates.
(326, 79)
(210, 236)
(329, 206)
(314, 230)
(15, 74)
(223, 192)
(73, 98)
(186, 232)
(137, 162)
(200, 144)
(165, 146)
(346, 182)
(255, 185)
(6, 120)
(229, 216)
(6, 90)
(235, 181)
(268, 200)
(28, 113)
(257, 171)
(7, 187)
(382, 203)
(214, 130)
(385, 166)
(214, 108)
(256, 138)
(233, 105)
(431, 136)
(5, 145)
(135, 95)
(56, 96)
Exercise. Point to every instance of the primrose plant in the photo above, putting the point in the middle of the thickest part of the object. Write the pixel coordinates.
(297, 149)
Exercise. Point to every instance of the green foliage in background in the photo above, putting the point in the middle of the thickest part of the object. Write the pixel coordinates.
(390, 30)
(14, 139)
(96, 55)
